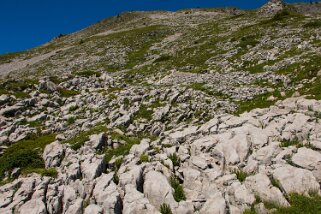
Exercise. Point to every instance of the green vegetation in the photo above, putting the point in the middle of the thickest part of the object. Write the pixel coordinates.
(16, 88)
(143, 158)
(179, 194)
(313, 24)
(275, 183)
(25, 154)
(162, 58)
(143, 113)
(68, 93)
(165, 209)
(79, 140)
(88, 73)
(299, 204)
(294, 142)
(71, 120)
(204, 88)
(241, 175)
(249, 40)
(122, 149)
(175, 159)
(51, 172)
(8, 57)
(55, 79)
(260, 101)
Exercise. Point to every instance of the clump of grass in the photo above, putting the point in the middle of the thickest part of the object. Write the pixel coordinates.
(175, 159)
(73, 108)
(179, 194)
(71, 120)
(21, 94)
(260, 101)
(68, 93)
(122, 149)
(275, 183)
(79, 140)
(50, 172)
(165, 209)
(295, 142)
(299, 204)
(313, 24)
(241, 175)
(25, 154)
(248, 40)
(202, 87)
(163, 58)
(88, 73)
(281, 15)
(144, 113)
(55, 79)
(143, 158)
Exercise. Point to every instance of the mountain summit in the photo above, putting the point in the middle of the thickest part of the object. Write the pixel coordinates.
(272, 7)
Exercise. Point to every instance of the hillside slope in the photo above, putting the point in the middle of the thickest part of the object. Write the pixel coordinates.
(194, 111)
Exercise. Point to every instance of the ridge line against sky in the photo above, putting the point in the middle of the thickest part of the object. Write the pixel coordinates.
(29, 23)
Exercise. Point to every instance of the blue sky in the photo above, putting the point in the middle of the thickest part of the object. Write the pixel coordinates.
(28, 23)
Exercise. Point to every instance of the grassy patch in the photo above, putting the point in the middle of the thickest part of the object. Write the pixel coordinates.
(241, 175)
(165, 209)
(299, 204)
(71, 120)
(287, 143)
(313, 24)
(68, 93)
(88, 73)
(275, 183)
(79, 140)
(179, 194)
(8, 57)
(25, 154)
(144, 113)
(122, 149)
(162, 58)
(260, 101)
(51, 172)
(143, 158)
(202, 87)
(175, 159)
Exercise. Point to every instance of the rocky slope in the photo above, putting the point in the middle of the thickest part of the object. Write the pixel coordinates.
(195, 111)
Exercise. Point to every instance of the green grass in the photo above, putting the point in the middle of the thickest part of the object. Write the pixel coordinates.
(88, 73)
(248, 40)
(122, 149)
(144, 113)
(260, 101)
(25, 153)
(8, 57)
(162, 58)
(287, 143)
(165, 209)
(300, 204)
(50, 172)
(275, 183)
(313, 24)
(144, 158)
(202, 87)
(68, 93)
(241, 175)
(179, 194)
(71, 120)
(79, 140)
(175, 159)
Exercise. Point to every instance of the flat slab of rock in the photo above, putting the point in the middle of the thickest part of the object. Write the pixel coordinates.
(296, 180)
